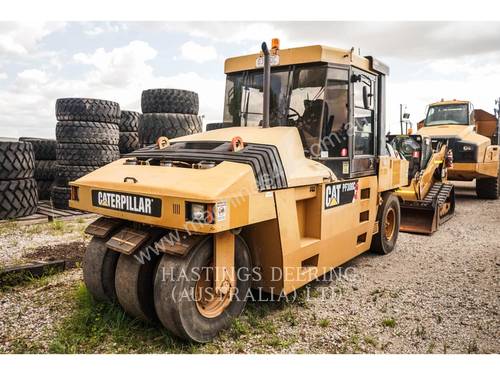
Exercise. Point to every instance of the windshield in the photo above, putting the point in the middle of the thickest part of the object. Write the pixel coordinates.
(455, 114)
(296, 99)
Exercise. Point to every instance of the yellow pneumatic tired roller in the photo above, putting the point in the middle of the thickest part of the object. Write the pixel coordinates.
(297, 182)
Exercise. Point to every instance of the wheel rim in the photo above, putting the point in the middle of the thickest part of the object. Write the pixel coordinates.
(208, 303)
(390, 224)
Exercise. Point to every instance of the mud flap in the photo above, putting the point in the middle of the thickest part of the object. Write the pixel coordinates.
(102, 227)
(127, 240)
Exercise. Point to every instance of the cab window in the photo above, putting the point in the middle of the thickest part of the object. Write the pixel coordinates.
(334, 136)
(364, 111)
(306, 105)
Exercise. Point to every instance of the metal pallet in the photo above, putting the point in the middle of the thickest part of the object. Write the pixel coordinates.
(46, 212)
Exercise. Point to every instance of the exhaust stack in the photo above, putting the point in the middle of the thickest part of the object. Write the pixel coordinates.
(266, 85)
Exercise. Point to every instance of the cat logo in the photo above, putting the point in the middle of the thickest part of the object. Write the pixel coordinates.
(340, 193)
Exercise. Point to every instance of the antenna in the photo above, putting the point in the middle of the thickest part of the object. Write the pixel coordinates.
(266, 85)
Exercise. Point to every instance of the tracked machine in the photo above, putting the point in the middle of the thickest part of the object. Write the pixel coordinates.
(428, 200)
(297, 182)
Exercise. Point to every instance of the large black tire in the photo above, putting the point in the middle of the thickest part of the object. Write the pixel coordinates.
(60, 197)
(488, 188)
(99, 267)
(177, 276)
(86, 154)
(45, 169)
(18, 198)
(170, 125)
(17, 160)
(44, 188)
(134, 280)
(85, 109)
(385, 240)
(169, 101)
(218, 125)
(87, 132)
(44, 149)
(67, 173)
(129, 121)
(129, 141)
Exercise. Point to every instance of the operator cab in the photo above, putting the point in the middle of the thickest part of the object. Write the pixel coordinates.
(417, 150)
(321, 99)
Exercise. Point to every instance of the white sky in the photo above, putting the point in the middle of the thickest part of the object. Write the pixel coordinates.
(41, 61)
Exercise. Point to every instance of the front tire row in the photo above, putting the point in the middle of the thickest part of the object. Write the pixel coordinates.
(173, 290)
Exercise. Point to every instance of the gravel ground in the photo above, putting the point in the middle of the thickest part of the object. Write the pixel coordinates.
(17, 242)
(433, 294)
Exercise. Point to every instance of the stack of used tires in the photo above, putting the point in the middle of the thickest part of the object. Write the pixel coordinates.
(18, 194)
(45, 164)
(168, 112)
(87, 136)
(129, 136)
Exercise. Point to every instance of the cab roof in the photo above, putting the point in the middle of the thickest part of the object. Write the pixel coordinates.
(454, 101)
(309, 54)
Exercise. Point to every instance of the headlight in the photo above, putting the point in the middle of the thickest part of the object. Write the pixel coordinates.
(467, 148)
(199, 212)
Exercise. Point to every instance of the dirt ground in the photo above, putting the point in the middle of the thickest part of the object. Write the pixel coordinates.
(433, 294)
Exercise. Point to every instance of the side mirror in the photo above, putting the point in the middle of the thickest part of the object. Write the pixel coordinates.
(406, 116)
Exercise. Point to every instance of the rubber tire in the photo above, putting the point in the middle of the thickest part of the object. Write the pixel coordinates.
(44, 149)
(180, 315)
(129, 121)
(85, 109)
(86, 154)
(87, 132)
(134, 285)
(44, 188)
(129, 141)
(170, 125)
(218, 125)
(99, 267)
(488, 188)
(45, 169)
(67, 173)
(169, 101)
(380, 244)
(17, 160)
(60, 197)
(18, 198)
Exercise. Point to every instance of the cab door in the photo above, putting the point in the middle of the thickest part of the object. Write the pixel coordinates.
(364, 123)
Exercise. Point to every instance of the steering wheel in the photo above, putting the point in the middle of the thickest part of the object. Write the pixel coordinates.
(295, 113)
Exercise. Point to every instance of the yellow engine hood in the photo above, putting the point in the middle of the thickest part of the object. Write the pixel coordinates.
(299, 170)
(224, 180)
(449, 131)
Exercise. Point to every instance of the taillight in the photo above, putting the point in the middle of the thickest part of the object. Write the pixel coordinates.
(416, 154)
(343, 152)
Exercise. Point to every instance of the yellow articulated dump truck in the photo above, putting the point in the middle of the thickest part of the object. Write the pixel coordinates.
(299, 184)
(473, 137)
(428, 200)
